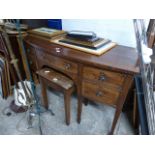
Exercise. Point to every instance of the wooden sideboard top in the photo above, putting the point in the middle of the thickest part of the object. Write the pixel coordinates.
(120, 58)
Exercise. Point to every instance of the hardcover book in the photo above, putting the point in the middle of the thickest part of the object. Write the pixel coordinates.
(84, 43)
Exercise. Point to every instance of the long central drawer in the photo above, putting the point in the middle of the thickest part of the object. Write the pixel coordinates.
(57, 62)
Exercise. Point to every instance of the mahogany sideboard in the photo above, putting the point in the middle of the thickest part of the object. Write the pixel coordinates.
(105, 79)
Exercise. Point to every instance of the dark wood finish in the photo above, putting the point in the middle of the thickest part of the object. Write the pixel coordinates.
(126, 86)
(58, 63)
(79, 92)
(67, 98)
(56, 77)
(119, 59)
(59, 82)
(105, 79)
(105, 94)
(151, 33)
(103, 75)
(16, 51)
(31, 56)
(44, 92)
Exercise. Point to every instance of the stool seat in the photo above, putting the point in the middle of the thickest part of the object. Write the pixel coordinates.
(56, 77)
(51, 78)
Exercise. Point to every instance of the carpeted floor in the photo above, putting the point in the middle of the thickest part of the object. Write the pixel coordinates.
(96, 119)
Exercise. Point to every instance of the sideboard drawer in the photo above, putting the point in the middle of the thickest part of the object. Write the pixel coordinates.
(57, 62)
(103, 94)
(103, 75)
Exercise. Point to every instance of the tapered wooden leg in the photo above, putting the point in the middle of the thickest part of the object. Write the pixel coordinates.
(67, 97)
(127, 85)
(44, 93)
(115, 120)
(79, 94)
(79, 109)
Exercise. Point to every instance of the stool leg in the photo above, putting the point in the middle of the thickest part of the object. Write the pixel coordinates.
(44, 93)
(116, 117)
(67, 97)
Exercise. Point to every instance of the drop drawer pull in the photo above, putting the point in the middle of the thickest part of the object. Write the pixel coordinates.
(102, 77)
(99, 93)
(58, 50)
(67, 66)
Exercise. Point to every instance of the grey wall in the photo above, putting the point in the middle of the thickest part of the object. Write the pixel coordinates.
(120, 31)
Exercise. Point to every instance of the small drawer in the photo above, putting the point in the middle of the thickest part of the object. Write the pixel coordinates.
(103, 75)
(107, 95)
(66, 65)
(58, 63)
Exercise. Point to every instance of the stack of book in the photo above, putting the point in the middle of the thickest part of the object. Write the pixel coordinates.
(46, 33)
(91, 42)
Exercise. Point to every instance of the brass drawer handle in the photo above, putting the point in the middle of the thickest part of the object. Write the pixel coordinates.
(99, 93)
(102, 77)
(58, 50)
(67, 66)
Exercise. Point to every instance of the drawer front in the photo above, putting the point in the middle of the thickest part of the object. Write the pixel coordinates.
(58, 63)
(103, 75)
(105, 94)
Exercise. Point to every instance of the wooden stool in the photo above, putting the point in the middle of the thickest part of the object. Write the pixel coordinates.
(59, 82)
